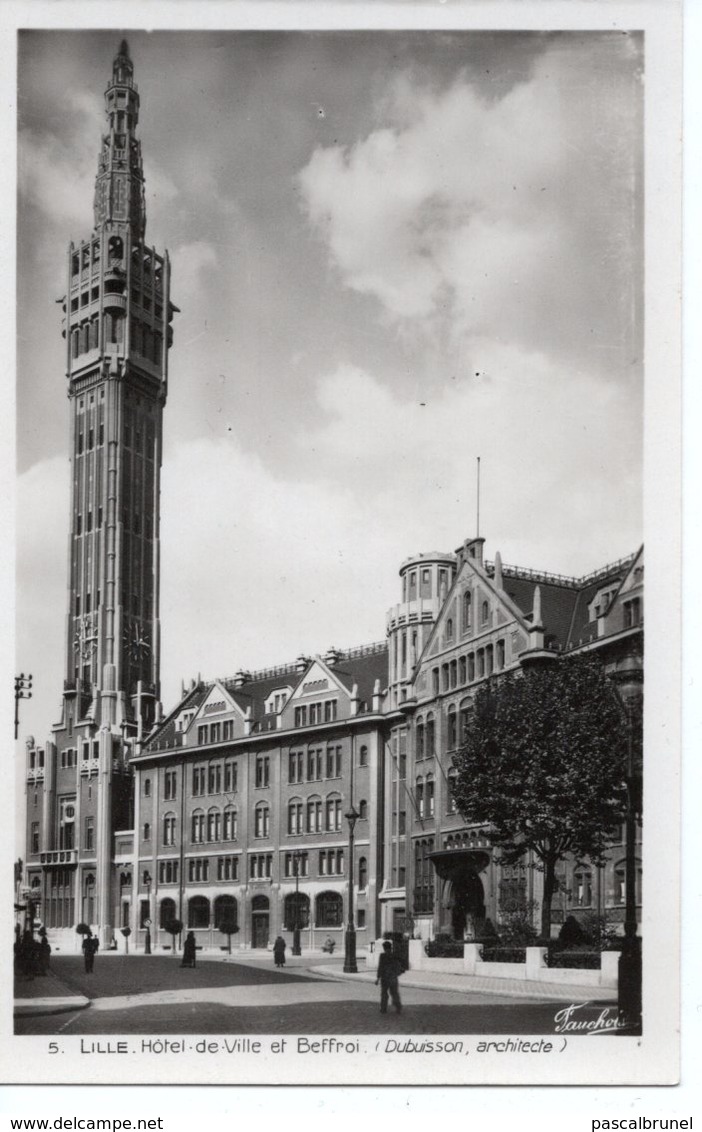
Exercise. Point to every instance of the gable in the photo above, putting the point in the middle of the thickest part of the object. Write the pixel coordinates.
(218, 703)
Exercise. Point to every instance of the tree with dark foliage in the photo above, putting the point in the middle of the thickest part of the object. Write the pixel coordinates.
(543, 762)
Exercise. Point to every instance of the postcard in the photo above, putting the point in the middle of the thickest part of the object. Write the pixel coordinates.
(347, 396)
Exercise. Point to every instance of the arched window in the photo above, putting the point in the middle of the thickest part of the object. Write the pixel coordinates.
(362, 809)
(449, 629)
(198, 912)
(362, 872)
(485, 612)
(296, 911)
(363, 756)
(452, 728)
(328, 910)
(214, 825)
(429, 792)
(147, 831)
(419, 739)
(582, 887)
(466, 712)
(467, 609)
(450, 800)
(430, 737)
(333, 813)
(169, 826)
(225, 909)
(419, 796)
(262, 822)
(314, 815)
(230, 824)
(167, 912)
(295, 819)
(198, 827)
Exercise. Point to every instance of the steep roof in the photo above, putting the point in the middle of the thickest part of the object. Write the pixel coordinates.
(361, 666)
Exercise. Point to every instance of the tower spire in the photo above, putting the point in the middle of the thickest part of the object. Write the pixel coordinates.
(119, 186)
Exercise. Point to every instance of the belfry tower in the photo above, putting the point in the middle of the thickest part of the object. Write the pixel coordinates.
(117, 327)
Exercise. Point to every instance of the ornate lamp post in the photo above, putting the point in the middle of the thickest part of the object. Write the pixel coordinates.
(350, 967)
(296, 950)
(23, 691)
(147, 922)
(629, 678)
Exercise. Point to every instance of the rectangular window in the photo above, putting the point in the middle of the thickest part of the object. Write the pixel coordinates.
(89, 834)
(168, 872)
(202, 733)
(228, 729)
(35, 837)
(263, 770)
(199, 870)
(214, 776)
(301, 716)
(227, 868)
(500, 656)
(302, 860)
(230, 777)
(215, 732)
(435, 681)
(169, 784)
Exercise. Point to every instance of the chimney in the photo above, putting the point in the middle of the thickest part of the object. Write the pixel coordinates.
(376, 695)
(498, 570)
(473, 550)
(301, 663)
(241, 677)
(354, 700)
(332, 656)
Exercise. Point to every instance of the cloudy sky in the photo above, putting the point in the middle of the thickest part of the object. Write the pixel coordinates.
(393, 253)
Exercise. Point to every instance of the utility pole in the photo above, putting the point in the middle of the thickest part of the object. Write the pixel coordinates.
(23, 691)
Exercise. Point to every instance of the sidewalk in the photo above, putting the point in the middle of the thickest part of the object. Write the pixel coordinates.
(478, 984)
(46, 995)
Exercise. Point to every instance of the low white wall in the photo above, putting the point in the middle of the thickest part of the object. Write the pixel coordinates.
(533, 970)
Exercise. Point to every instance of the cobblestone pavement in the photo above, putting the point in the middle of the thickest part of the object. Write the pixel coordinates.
(154, 995)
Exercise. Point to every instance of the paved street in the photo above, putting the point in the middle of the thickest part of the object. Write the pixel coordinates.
(154, 995)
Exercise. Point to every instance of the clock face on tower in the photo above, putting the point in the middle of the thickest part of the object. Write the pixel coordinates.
(137, 642)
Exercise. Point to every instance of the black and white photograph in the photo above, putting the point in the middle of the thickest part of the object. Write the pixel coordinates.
(341, 440)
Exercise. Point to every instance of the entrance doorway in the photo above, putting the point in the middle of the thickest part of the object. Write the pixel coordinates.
(462, 894)
(260, 921)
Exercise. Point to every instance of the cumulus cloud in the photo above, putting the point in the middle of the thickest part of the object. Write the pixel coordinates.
(510, 217)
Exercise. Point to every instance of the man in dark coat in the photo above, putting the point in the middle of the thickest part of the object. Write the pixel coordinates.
(189, 950)
(90, 946)
(389, 971)
(279, 952)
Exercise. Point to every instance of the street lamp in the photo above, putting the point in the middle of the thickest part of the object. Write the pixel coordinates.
(147, 923)
(350, 967)
(296, 950)
(628, 678)
(23, 691)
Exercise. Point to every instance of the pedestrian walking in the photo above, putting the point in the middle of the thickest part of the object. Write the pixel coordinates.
(189, 950)
(44, 954)
(389, 971)
(279, 952)
(90, 946)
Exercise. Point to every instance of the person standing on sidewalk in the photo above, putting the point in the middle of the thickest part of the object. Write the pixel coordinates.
(90, 946)
(389, 971)
(189, 950)
(279, 952)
